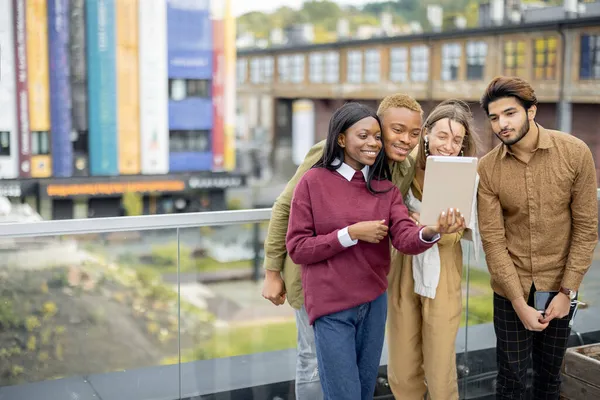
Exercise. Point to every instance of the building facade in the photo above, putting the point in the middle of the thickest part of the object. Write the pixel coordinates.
(561, 59)
(100, 98)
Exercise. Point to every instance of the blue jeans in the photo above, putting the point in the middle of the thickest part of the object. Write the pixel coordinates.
(349, 345)
(308, 386)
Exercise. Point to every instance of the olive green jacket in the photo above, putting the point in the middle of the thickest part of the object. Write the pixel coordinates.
(276, 258)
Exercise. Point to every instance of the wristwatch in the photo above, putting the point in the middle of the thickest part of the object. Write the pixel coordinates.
(571, 294)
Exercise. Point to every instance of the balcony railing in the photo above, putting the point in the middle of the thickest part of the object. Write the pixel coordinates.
(167, 307)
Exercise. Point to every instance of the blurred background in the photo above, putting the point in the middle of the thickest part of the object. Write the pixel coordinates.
(113, 108)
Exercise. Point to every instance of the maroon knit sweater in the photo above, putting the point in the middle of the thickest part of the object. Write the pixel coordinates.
(336, 278)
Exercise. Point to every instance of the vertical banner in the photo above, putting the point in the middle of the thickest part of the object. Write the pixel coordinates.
(9, 154)
(60, 88)
(128, 96)
(38, 87)
(154, 87)
(101, 52)
(218, 95)
(20, 32)
(79, 94)
(190, 55)
(230, 88)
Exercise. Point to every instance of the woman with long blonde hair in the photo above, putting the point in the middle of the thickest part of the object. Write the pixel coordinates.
(425, 295)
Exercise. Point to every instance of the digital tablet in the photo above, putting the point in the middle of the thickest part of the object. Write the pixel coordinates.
(449, 183)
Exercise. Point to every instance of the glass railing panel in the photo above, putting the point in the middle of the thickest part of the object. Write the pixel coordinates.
(221, 272)
(478, 318)
(82, 315)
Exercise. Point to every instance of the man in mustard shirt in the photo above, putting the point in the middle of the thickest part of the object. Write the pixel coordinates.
(538, 218)
(401, 118)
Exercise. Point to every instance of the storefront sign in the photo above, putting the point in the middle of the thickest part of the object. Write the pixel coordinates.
(113, 188)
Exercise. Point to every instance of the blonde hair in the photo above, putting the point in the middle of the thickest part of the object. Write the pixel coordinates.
(398, 100)
(455, 110)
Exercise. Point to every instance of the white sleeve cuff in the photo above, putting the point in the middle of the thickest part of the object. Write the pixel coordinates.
(345, 239)
(435, 238)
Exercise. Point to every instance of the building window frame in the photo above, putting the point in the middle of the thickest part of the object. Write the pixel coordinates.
(332, 67)
(514, 57)
(451, 58)
(242, 70)
(399, 64)
(372, 65)
(476, 56)
(589, 59)
(181, 89)
(194, 140)
(419, 63)
(5, 142)
(40, 143)
(297, 68)
(354, 68)
(545, 51)
(316, 65)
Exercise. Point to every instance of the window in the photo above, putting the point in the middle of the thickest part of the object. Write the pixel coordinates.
(80, 141)
(316, 70)
(297, 68)
(261, 70)
(324, 67)
(180, 89)
(544, 60)
(4, 143)
(451, 54)
(196, 141)
(589, 63)
(332, 67)
(372, 65)
(399, 64)
(354, 66)
(419, 63)
(284, 68)
(40, 143)
(514, 58)
(476, 53)
(242, 67)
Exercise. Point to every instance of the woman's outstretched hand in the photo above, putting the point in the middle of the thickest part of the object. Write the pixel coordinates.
(450, 221)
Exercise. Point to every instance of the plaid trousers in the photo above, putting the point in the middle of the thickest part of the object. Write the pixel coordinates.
(516, 347)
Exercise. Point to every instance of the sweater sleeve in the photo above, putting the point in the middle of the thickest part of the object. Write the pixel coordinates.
(404, 233)
(304, 246)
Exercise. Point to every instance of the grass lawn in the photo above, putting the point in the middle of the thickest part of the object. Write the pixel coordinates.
(481, 296)
(246, 339)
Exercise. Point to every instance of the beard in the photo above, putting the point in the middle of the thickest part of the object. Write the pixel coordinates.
(520, 135)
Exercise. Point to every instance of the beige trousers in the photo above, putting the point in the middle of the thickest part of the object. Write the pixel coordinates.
(421, 332)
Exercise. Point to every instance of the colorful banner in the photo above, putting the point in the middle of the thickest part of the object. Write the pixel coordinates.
(60, 88)
(128, 95)
(38, 82)
(218, 95)
(79, 94)
(230, 88)
(101, 53)
(78, 63)
(22, 99)
(9, 160)
(189, 32)
(189, 35)
(154, 89)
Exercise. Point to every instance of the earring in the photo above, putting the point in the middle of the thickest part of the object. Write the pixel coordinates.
(426, 146)
(462, 152)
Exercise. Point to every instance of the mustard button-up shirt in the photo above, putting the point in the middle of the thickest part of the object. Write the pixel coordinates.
(538, 220)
